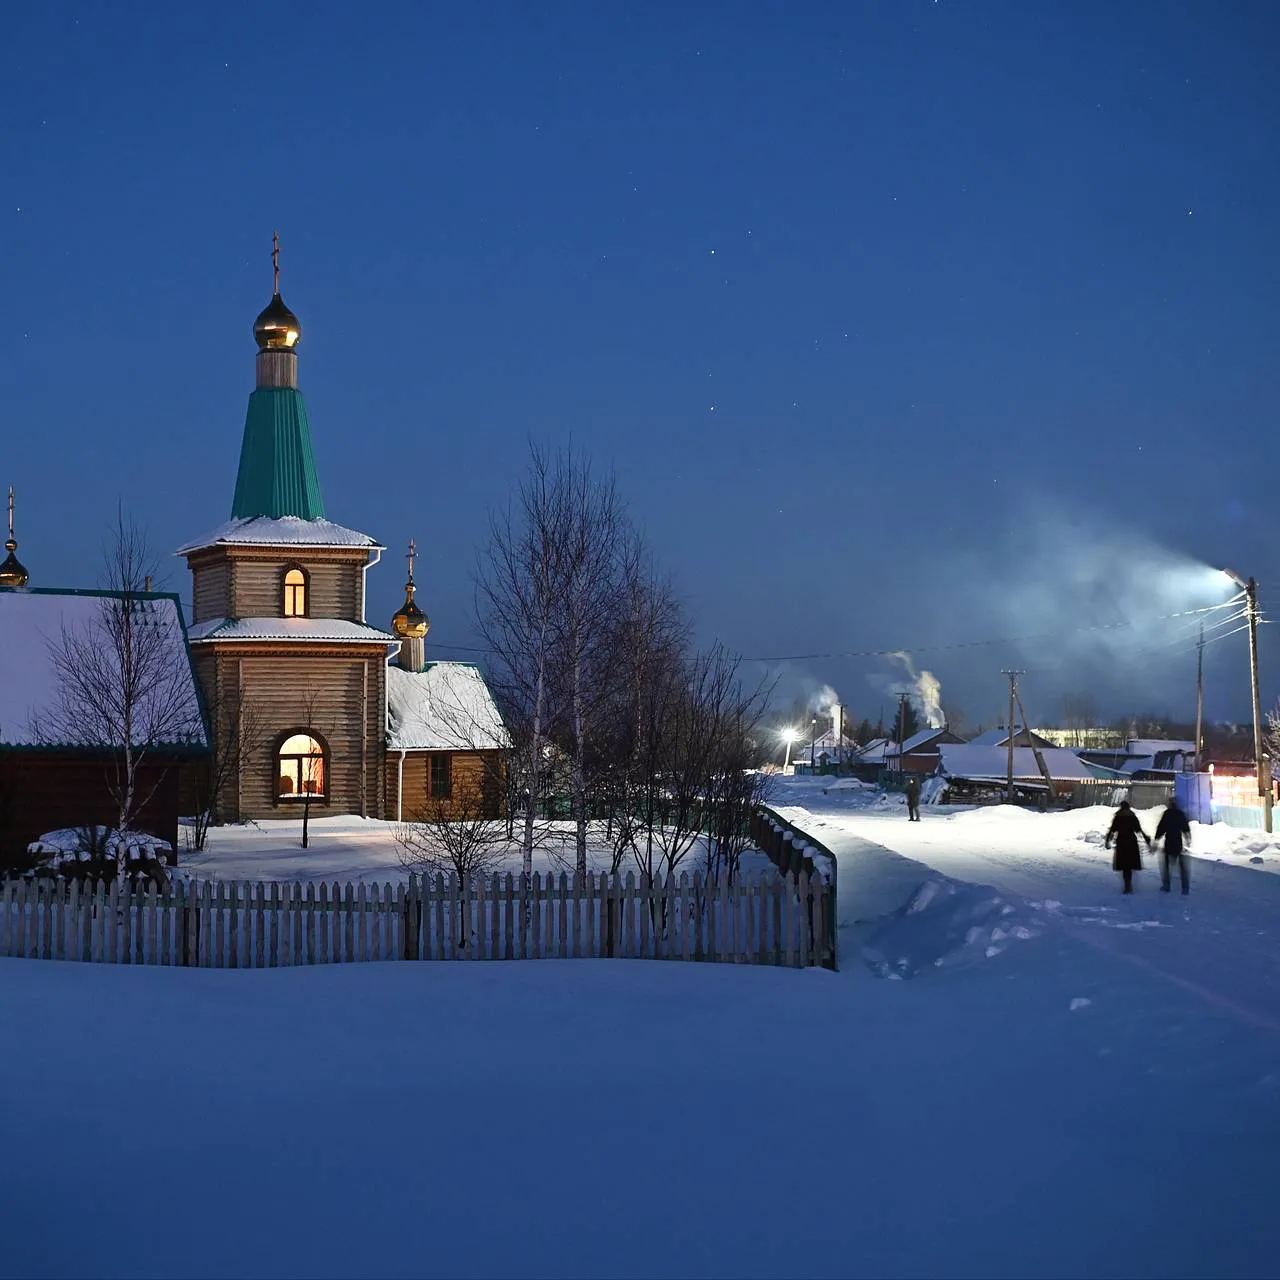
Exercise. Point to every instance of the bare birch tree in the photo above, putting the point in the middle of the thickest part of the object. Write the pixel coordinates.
(519, 580)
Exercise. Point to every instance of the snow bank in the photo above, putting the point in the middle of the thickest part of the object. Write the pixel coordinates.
(947, 923)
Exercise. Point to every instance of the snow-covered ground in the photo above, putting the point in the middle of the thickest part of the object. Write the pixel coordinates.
(365, 850)
(1085, 1085)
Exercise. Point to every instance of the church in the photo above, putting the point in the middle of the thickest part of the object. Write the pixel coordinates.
(315, 705)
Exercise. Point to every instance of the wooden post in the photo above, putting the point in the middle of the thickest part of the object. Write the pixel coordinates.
(508, 949)
(440, 952)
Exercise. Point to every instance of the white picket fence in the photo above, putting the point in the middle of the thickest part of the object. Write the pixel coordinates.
(756, 920)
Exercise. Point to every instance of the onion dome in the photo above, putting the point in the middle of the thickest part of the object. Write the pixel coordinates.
(276, 328)
(13, 572)
(410, 623)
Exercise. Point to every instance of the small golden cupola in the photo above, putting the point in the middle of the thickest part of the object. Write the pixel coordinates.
(12, 571)
(410, 624)
(276, 328)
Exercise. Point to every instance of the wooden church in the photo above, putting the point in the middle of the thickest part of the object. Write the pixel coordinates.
(346, 716)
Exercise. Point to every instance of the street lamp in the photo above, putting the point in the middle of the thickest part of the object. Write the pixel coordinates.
(789, 735)
(1261, 760)
(813, 742)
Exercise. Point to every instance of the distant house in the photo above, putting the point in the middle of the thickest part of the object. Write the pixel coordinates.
(919, 754)
(972, 768)
(1146, 759)
(53, 778)
(1023, 737)
(870, 760)
(826, 753)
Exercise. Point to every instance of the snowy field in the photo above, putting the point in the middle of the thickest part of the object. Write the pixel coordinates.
(1065, 1083)
(356, 850)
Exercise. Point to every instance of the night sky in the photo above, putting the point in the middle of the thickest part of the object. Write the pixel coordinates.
(903, 324)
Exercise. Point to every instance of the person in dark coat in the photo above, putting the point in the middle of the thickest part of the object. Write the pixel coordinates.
(913, 800)
(1125, 830)
(1175, 830)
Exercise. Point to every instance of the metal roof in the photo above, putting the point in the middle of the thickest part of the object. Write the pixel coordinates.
(277, 475)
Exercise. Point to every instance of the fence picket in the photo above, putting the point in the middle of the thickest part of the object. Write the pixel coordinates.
(273, 926)
(495, 917)
(457, 932)
(508, 917)
(628, 917)
(535, 916)
(438, 951)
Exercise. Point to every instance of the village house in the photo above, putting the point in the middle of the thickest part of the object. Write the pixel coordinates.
(920, 753)
(63, 758)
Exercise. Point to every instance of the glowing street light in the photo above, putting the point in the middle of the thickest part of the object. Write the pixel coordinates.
(1261, 760)
(788, 735)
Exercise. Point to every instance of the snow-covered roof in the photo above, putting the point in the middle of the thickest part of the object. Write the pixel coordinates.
(447, 707)
(916, 741)
(977, 760)
(317, 630)
(875, 751)
(294, 531)
(35, 707)
(1156, 746)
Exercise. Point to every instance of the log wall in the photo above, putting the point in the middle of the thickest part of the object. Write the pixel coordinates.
(248, 582)
(474, 772)
(47, 790)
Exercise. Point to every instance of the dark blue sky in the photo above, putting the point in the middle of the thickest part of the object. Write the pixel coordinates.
(903, 324)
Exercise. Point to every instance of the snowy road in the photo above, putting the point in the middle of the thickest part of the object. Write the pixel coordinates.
(1222, 942)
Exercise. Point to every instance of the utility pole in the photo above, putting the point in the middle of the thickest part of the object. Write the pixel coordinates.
(1013, 699)
(902, 727)
(1199, 697)
(1261, 759)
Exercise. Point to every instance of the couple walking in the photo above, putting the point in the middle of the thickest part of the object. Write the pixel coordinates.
(1173, 828)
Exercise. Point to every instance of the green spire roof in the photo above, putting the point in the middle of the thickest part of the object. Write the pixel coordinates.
(277, 475)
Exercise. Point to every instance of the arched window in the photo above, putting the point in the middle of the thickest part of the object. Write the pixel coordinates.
(302, 769)
(295, 593)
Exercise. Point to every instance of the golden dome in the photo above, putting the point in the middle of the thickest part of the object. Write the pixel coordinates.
(276, 328)
(13, 572)
(410, 623)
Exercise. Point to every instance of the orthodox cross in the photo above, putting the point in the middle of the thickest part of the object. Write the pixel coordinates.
(11, 513)
(275, 258)
(413, 551)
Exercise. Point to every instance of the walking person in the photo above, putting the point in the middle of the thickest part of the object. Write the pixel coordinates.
(1176, 832)
(1125, 830)
(913, 800)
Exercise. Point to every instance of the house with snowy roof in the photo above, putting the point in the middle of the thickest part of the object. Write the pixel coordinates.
(77, 732)
(279, 625)
(1146, 759)
(972, 768)
(999, 737)
(920, 753)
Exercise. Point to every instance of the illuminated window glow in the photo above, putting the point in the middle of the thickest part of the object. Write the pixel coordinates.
(301, 769)
(295, 594)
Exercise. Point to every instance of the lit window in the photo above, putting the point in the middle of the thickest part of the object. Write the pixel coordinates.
(301, 771)
(295, 594)
(441, 777)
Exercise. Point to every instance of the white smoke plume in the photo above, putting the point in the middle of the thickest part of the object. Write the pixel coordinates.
(925, 692)
(824, 701)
